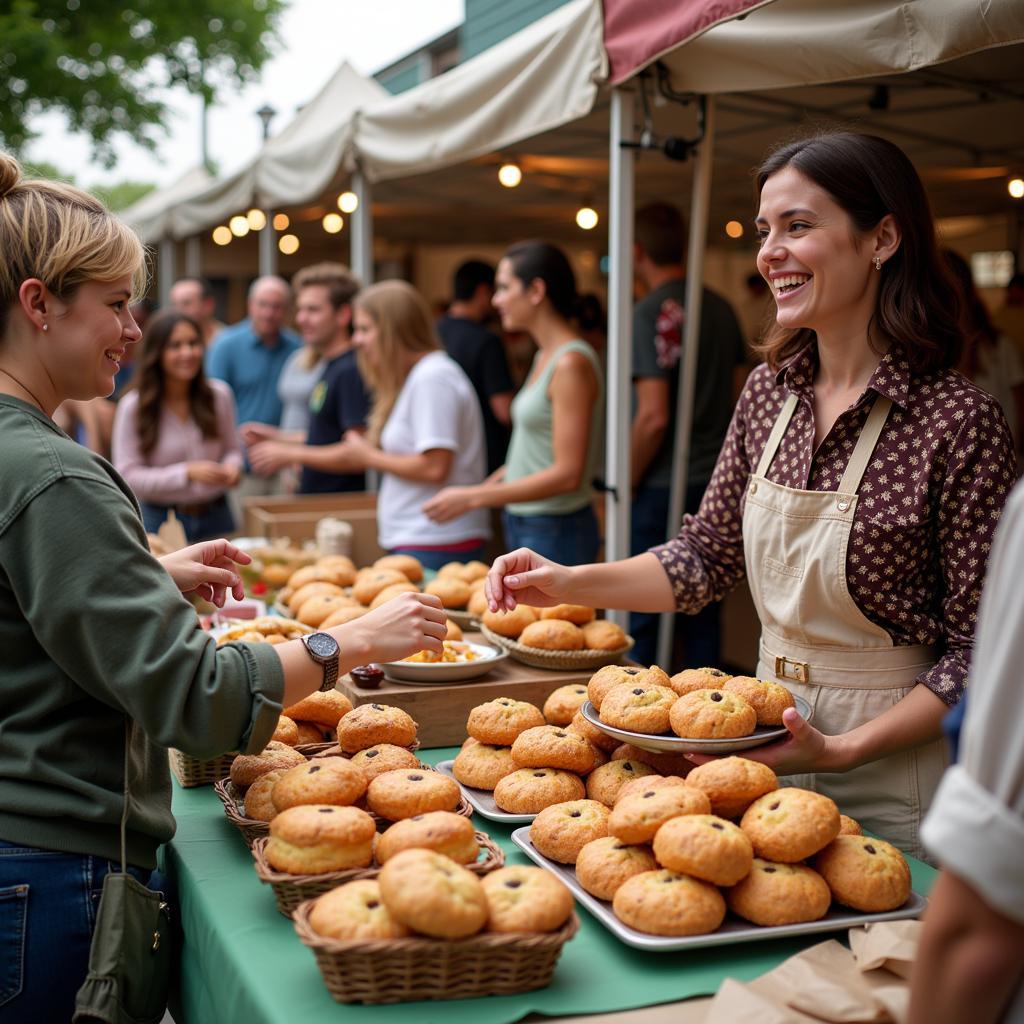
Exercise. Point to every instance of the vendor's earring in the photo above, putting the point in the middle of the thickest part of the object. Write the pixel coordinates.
(46, 327)
(877, 262)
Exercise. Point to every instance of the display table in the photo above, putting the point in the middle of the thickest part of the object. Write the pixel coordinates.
(243, 962)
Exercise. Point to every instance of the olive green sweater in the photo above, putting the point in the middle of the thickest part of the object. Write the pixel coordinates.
(93, 629)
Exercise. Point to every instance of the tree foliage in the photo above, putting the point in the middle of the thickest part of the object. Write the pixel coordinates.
(117, 196)
(105, 65)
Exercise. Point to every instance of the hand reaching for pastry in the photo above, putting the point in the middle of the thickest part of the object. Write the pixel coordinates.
(208, 569)
(524, 577)
(399, 627)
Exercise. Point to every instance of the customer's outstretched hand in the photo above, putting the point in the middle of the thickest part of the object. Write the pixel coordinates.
(208, 569)
(399, 627)
(524, 577)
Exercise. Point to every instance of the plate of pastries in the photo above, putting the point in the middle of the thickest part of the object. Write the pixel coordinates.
(702, 710)
(458, 660)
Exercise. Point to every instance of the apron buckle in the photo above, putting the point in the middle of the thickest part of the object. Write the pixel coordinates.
(799, 671)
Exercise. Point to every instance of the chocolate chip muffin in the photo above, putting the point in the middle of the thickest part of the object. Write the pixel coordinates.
(637, 818)
(482, 765)
(563, 703)
(768, 699)
(525, 899)
(706, 847)
(712, 714)
(775, 894)
(638, 708)
(790, 824)
(865, 873)
(604, 864)
(560, 831)
(733, 783)
(666, 903)
(500, 721)
(530, 790)
(549, 746)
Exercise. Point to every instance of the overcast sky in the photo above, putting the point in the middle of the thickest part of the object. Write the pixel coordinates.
(317, 36)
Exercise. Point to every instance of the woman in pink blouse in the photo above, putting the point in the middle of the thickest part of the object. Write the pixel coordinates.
(857, 489)
(174, 433)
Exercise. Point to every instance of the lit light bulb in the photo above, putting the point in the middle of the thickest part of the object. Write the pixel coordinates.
(288, 244)
(222, 234)
(239, 226)
(1016, 188)
(281, 221)
(257, 219)
(348, 202)
(734, 229)
(586, 218)
(510, 175)
(333, 223)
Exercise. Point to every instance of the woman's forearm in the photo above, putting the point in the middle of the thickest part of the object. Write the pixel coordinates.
(546, 483)
(421, 467)
(636, 584)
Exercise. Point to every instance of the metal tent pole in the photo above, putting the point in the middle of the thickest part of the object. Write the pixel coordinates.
(361, 226)
(167, 271)
(268, 245)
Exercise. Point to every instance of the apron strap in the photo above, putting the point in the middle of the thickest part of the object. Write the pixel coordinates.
(869, 436)
(775, 437)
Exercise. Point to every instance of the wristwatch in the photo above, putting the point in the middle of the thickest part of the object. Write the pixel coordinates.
(324, 650)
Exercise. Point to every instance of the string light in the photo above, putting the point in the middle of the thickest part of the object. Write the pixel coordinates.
(333, 223)
(586, 218)
(1016, 188)
(281, 222)
(348, 202)
(510, 174)
(734, 229)
(222, 234)
(239, 226)
(257, 219)
(288, 244)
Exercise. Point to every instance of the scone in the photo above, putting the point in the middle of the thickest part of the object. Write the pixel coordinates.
(733, 784)
(767, 698)
(440, 831)
(849, 826)
(259, 806)
(604, 864)
(552, 635)
(865, 873)
(563, 703)
(370, 583)
(605, 679)
(775, 894)
(300, 595)
(666, 903)
(286, 731)
(341, 574)
(454, 593)
(411, 568)
(393, 591)
(691, 679)
(482, 765)
(549, 746)
(577, 614)
(530, 790)
(310, 732)
(355, 911)
(638, 707)
(383, 757)
(591, 732)
(343, 615)
(328, 780)
(790, 824)
(313, 839)
(370, 724)
(317, 609)
(326, 709)
(501, 720)
(510, 624)
(637, 818)
(712, 714)
(247, 768)
(646, 783)
(433, 895)
(560, 831)
(605, 783)
(603, 635)
(662, 762)
(525, 899)
(706, 847)
(410, 791)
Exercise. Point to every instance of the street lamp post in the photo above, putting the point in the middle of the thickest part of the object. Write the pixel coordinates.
(268, 250)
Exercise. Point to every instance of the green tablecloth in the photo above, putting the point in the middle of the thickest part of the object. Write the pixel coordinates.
(242, 960)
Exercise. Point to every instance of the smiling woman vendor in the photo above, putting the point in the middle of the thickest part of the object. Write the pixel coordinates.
(857, 490)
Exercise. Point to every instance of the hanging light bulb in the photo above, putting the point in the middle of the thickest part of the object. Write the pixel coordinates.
(281, 222)
(734, 229)
(333, 223)
(288, 244)
(348, 202)
(586, 218)
(1016, 188)
(239, 226)
(510, 174)
(222, 234)
(257, 219)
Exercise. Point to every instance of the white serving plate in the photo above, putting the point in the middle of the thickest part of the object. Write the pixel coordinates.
(732, 930)
(678, 745)
(427, 673)
(483, 801)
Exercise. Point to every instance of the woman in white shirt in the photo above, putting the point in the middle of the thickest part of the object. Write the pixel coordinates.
(425, 428)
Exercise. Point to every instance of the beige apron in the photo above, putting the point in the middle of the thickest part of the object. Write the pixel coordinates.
(817, 642)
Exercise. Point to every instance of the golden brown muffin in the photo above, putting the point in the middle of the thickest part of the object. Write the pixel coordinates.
(321, 607)
(410, 567)
(343, 615)
(454, 630)
(706, 847)
(550, 746)
(790, 824)
(286, 731)
(666, 903)
(338, 563)
(453, 592)
(648, 782)
(510, 624)
(355, 911)
(393, 591)
(865, 873)
(589, 732)
(638, 707)
(450, 570)
(712, 714)
(310, 732)
(369, 584)
(433, 895)
(327, 780)
(604, 636)
(383, 757)
(691, 679)
(406, 792)
(370, 724)
(774, 894)
(733, 784)
(302, 594)
(474, 570)
(849, 827)
(552, 635)
(606, 782)
(275, 576)
(312, 839)
(482, 765)
(637, 818)
(500, 721)
(577, 614)
(258, 802)
(768, 699)
(326, 709)
(530, 790)
(477, 605)
(525, 899)
(604, 864)
(440, 831)
(563, 703)
(247, 768)
(662, 762)
(339, 575)
(560, 831)
(607, 678)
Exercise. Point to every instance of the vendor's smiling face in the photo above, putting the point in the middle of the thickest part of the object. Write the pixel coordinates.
(511, 298)
(818, 265)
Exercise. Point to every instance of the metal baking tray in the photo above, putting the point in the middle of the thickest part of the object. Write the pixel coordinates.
(733, 929)
(483, 802)
(678, 745)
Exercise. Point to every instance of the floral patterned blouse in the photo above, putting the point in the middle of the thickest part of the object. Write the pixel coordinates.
(929, 501)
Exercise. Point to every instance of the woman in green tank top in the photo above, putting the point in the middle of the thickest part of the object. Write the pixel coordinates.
(544, 486)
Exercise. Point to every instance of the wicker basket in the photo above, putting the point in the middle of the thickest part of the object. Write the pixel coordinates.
(566, 661)
(190, 771)
(400, 970)
(291, 890)
(462, 618)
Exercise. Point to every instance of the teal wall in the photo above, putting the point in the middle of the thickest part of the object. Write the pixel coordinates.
(489, 21)
(401, 79)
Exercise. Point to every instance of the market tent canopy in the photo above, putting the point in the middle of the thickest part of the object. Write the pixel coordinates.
(151, 215)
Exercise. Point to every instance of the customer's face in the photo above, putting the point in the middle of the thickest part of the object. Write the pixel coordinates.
(268, 308)
(365, 335)
(511, 299)
(182, 356)
(315, 317)
(187, 298)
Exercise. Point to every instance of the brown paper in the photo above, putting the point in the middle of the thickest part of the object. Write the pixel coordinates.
(888, 944)
(172, 533)
(736, 1003)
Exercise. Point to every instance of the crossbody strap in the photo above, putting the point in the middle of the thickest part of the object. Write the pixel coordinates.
(127, 796)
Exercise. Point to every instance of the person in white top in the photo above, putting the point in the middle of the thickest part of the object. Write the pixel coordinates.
(970, 963)
(425, 429)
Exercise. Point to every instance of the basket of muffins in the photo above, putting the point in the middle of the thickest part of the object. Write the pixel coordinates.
(428, 928)
(567, 636)
(372, 768)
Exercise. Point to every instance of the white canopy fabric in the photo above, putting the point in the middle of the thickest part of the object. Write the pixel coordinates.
(151, 215)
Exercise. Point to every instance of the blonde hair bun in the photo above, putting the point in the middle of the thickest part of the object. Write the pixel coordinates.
(10, 173)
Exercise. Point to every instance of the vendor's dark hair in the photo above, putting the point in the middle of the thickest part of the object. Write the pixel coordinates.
(469, 276)
(660, 230)
(149, 382)
(918, 304)
(536, 260)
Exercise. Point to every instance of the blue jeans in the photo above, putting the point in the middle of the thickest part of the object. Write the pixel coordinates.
(569, 539)
(48, 903)
(432, 559)
(216, 519)
(698, 635)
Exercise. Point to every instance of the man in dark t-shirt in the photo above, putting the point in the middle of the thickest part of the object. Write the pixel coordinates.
(480, 353)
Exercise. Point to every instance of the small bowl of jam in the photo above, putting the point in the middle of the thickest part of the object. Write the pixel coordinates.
(367, 677)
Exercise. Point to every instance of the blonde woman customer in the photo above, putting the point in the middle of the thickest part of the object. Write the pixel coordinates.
(96, 641)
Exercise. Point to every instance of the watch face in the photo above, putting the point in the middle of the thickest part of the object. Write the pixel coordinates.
(323, 645)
